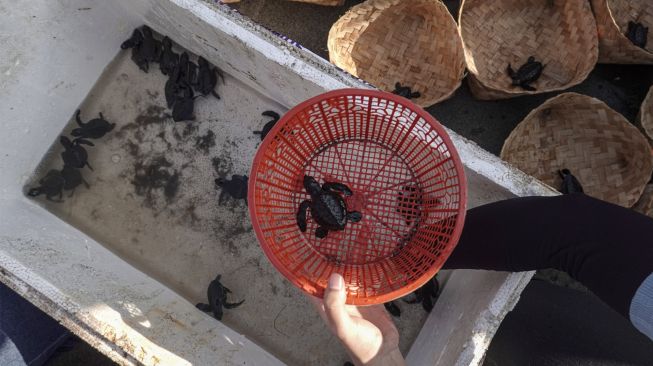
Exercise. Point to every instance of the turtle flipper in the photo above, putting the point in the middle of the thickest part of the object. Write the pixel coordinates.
(203, 307)
(321, 232)
(354, 216)
(231, 305)
(301, 215)
(527, 87)
(338, 187)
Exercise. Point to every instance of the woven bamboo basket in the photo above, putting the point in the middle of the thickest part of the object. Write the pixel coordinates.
(645, 203)
(559, 33)
(608, 155)
(645, 116)
(413, 42)
(612, 17)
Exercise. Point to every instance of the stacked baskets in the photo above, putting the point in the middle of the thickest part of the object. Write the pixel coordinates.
(612, 17)
(414, 42)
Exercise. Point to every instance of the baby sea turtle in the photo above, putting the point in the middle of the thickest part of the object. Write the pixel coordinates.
(134, 41)
(184, 103)
(93, 129)
(637, 33)
(236, 187)
(405, 91)
(217, 297)
(569, 183)
(149, 50)
(169, 59)
(207, 77)
(328, 208)
(188, 69)
(426, 295)
(73, 178)
(75, 155)
(268, 126)
(392, 308)
(409, 201)
(526, 74)
(51, 185)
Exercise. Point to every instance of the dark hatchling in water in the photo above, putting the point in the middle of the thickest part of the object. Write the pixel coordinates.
(187, 69)
(526, 74)
(570, 183)
(169, 59)
(426, 295)
(405, 91)
(328, 208)
(268, 126)
(392, 308)
(148, 51)
(236, 187)
(184, 104)
(93, 129)
(51, 185)
(134, 41)
(207, 77)
(74, 154)
(637, 33)
(217, 297)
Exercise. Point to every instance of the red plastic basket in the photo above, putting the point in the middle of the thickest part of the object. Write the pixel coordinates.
(407, 181)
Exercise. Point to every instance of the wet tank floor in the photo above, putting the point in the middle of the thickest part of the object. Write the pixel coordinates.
(176, 227)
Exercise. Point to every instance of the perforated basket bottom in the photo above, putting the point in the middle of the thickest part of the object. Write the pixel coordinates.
(385, 191)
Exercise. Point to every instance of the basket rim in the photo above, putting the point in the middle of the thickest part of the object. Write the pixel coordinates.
(509, 93)
(439, 128)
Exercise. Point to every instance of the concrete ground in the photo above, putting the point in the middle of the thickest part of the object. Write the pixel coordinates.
(581, 321)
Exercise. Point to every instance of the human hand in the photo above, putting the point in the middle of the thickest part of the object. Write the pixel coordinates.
(367, 332)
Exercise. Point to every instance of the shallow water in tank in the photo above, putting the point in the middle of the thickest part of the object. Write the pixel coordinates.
(180, 231)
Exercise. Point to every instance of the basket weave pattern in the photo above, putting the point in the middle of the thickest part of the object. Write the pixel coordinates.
(646, 114)
(645, 203)
(608, 155)
(561, 34)
(412, 42)
(612, 17)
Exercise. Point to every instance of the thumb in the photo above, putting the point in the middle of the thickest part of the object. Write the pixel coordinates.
(334, 305)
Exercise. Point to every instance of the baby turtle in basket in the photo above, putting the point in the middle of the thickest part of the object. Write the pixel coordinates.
(637, 33)
(426, 295)
(405, 91)
(51, 185)
(217, 296)
(134, 41)
(236, 187)
(569, 183)
(392, 308)
(207, 77)
(93, 129)
(409, 201)
(328, 208)
(75, 155)
(148, 50)
(268, 126)
(526, 74)
(169, 59)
